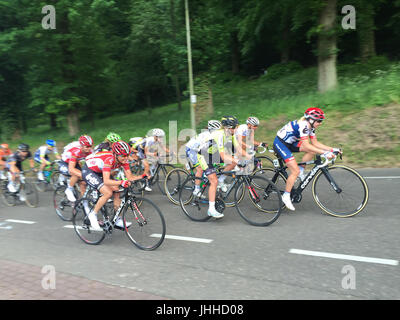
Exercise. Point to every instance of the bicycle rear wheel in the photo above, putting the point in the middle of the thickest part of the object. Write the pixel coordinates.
(63, 207)
(263, 205)
(31, 194)
(351, 194)
(147, 229)
(266, 161)
(81, 223)
(195, 208)
(173, 183)
(9, 198)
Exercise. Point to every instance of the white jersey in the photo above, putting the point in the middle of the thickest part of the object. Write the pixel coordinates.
(197, 140)
(44, 151)
(243, 131)
(296, 130)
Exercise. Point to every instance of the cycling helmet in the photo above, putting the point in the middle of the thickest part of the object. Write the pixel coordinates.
(4, 146)
(229, 122)
(253, 121)
(132, 141)
(121, 148)
(314, 113)
(214, 125)
(113, 137)
(50, 143)
(86, 141)
(23, 147)
(158, 132)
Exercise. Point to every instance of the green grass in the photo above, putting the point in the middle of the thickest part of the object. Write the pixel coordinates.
(274, 102)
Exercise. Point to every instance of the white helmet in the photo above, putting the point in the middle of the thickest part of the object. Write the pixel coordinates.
(214, 125)
(253, 121)
(158, 132)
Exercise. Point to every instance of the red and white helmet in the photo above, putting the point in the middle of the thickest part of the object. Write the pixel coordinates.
(314, 113)
(121, 148)
(86, 141)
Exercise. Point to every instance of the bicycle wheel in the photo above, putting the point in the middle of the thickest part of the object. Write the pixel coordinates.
(31, 194)
(147, 229)
(263, 205)
(351, 194)
(161, 176)
(63, 207)
(229, 195)
(81, 223)
(195, 208)
(40, 185)
(173, 183)
(8, 198)
(54, 179)
(274, 176)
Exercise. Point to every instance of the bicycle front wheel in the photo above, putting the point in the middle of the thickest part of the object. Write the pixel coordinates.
(9, 198)
(263, 205)
(161, 176)
(62, 206)
(340, 191)
(173, 183)
(81, 223)
(144, 226)
(31, 194)
(194, 207)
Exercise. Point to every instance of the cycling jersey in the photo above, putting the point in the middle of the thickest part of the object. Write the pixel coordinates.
(217, 142)
(43, 153)
(4, 154)
(295, 132)
(17, 158)
(104, 161)
(192, 147)
(243, 131)
(104, 146)
(74, 153)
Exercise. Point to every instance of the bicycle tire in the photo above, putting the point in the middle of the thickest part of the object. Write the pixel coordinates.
(40, 185)
(147, 229)
(9, 199)
(173, 183)
(81, 223)
(195, 208)
(352, 186)
(31, 194)
(266, 201)
(62, 206)
(268, 162)
(161, 176)
(54, 178)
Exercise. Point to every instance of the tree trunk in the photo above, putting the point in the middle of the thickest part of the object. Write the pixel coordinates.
(365, 31)
(73, 121)
(327, 50)
(175, 78)
(53, 120)
(210, 101)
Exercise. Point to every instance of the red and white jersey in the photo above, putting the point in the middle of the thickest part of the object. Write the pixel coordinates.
(72, 152)
(104, 161)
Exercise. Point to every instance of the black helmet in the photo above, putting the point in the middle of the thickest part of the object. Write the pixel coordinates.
(229, 122)
(23, 147)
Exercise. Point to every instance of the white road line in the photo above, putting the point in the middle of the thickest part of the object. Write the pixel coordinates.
(345, 257)
(157, 235)
(393, 177)
(20, 221)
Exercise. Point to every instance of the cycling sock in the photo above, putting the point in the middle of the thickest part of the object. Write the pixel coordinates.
(211, 205)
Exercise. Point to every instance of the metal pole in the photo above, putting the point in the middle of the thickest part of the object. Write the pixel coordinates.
(193, 99)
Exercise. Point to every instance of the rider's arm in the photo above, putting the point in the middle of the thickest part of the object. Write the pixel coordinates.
(32, 163)
(308, 147)
(73, 170)
(319, 145)
(129, 175)
(13, 167)
(108, 181)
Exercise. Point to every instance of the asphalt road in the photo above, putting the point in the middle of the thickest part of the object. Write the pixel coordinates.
(229, 259)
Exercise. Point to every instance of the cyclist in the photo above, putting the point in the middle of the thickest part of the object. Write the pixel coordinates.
(213, 150)
(294, 137)
(108, 141)
(138, 153)
(192, 149)
(42, 156)
(97, 173)
(14, 165)
(245, 134)
(72, 155)
(4, 153)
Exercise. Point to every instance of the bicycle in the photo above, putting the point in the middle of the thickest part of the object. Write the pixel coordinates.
(51, 177)
(338, 190)
(158, 172)
(62, 205)
(264, 197)
(25, 192)
(147, 229)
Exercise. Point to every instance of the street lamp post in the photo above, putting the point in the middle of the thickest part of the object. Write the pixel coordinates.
(193, 98)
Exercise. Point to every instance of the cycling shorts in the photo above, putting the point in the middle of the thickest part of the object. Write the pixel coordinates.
(93, 179)
(285, 150)
(207, 161)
